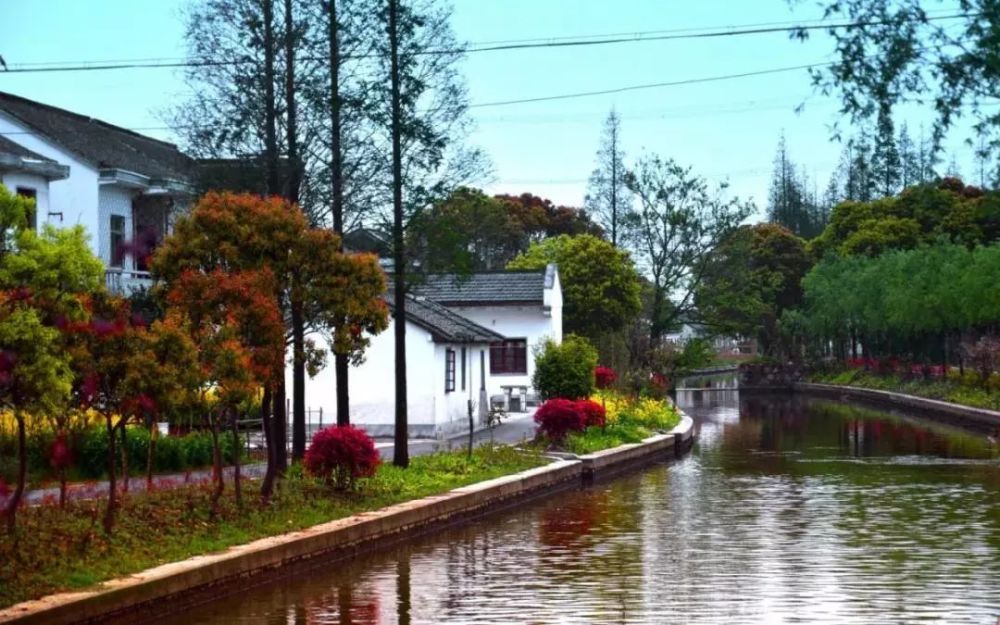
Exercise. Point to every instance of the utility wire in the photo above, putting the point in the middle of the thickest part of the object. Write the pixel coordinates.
(655, 85)
(195, 63)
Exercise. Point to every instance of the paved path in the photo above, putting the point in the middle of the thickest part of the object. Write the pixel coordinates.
(515, 429)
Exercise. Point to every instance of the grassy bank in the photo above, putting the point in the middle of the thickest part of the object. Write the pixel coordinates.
(57, 550)
(967, 390)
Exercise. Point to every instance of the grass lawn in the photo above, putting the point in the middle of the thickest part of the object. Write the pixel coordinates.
(57, 550)
(966, 391)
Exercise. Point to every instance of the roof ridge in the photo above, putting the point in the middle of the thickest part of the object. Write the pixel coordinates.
(4, 95)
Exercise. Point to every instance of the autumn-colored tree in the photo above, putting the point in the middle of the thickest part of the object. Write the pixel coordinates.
(541, 219)
(238, 233)
(237, 326)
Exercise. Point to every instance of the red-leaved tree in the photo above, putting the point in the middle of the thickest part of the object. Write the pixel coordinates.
(342, 454)
(558, 417)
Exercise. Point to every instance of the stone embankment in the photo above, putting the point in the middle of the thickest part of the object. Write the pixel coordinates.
(175, 586)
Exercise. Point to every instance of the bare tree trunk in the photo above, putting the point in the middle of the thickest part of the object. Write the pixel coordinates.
(109, 513)
(237, 448)
(400, 455)
(124, 452)
(279, 427)
(150, 455)
(220, 482)
(267, 485)
(22, 475)
(292, 193)
(340, 362)
(270, 114)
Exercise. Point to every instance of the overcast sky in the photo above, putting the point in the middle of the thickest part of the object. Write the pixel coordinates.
(726, 130)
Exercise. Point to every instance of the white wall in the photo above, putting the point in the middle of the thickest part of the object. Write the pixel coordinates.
(13, 180)
(113, 200)
(76, 196)
(530, 322)
(372, 384)
(452, 409)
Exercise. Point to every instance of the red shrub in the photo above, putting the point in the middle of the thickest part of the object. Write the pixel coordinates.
(557, 417)
(604, 377)
(341, 454)
(594, 414)
(60, 455)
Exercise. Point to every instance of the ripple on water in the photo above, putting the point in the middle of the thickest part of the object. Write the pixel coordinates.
(786, 512)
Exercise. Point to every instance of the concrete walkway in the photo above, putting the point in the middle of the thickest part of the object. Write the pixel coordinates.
(515, 429)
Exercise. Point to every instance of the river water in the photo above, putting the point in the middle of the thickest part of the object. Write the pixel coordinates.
(785, 511)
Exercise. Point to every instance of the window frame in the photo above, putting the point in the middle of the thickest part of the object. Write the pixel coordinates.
(449, 370)
(509, 357)
(464, 358)
(116, 259)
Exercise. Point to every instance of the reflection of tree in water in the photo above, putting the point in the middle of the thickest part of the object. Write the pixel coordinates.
(562, 526)
(341, 605)
(594, 542)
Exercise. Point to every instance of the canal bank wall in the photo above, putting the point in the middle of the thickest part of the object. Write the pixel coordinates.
(978, 419)
(171, 588)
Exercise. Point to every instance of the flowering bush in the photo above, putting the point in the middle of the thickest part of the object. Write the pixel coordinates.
(60, 455)
(594, 413)
(604, 377)
(557, 417)
(647, 412)
(342, 454)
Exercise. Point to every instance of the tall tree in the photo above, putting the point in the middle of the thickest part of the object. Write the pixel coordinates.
(909, 168)
(681, 219)
(401, 446)
(791, 202)
(885, 157)
(607, 196)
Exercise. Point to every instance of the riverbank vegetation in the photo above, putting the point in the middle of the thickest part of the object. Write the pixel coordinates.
(967, 389)
(64, 549)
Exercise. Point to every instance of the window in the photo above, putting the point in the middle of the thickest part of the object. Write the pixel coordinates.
(449, 371)
(463, 368)
(31, 194)
(509, 356)
(117, 240)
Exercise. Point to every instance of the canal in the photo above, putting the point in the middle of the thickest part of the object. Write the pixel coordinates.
(787, 510)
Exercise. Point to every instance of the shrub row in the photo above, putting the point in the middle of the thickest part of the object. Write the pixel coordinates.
(88, 452)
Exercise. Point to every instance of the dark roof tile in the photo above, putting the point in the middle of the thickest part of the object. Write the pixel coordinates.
(506, 287)
(100, 143)
(445, 325)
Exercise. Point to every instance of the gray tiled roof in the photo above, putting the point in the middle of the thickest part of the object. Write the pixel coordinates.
(506, 287)
(443, 324)
(9, 147)
(98, 142)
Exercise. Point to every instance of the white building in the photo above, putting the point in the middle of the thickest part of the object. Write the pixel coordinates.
(121, 186)
(468, 339)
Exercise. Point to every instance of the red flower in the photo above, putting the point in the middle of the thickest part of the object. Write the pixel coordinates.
(341, 454)
(558, 417)
(594, 414)
(604, 376)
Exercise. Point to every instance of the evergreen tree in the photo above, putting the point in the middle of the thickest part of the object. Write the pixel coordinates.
(885, 163)
(926, 158)
(608, 198)
(861, 173)
(909, 167)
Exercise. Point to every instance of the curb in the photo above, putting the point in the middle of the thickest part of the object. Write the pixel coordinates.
(977, 418)
(200, 578)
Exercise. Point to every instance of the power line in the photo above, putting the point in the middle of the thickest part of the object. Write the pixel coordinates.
(472, 49)
(675, 83)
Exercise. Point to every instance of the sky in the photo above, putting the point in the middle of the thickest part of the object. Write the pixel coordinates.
(727, 131)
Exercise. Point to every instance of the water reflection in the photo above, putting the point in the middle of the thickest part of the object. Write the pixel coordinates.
(786, 511)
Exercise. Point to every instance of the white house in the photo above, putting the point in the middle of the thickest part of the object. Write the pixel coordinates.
(121, 186)
(468, 339)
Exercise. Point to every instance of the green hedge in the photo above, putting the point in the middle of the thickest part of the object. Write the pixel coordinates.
(90, 447)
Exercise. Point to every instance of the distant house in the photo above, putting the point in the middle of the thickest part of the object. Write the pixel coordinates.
(468, 338)
(123, 187)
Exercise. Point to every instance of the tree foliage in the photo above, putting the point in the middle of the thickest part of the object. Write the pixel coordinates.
(919, 215)
(680, 221)
(751, 279)
(608, 197)
(600, 286)
(905, 54)
(565, 369)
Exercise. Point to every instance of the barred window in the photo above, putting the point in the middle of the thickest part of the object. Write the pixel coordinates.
(449, 371)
